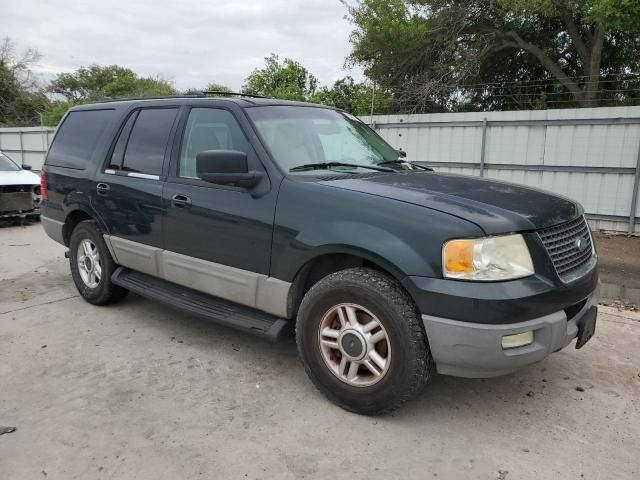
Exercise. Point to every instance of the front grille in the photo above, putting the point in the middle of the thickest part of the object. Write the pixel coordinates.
(569, 246)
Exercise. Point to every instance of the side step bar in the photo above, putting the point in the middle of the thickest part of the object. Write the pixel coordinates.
(203, 305)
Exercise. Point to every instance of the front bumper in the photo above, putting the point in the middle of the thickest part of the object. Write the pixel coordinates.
(466, 349)
(19, 204)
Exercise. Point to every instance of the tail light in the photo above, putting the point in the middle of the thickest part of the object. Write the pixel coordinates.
(43, 185)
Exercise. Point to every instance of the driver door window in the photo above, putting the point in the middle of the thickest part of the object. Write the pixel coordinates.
(209, 129)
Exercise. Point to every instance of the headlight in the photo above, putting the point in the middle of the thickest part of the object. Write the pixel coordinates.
(487, 259)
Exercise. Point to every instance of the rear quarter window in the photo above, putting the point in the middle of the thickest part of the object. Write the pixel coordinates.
(77, 138)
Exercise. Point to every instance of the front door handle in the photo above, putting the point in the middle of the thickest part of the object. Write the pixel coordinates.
(181, 201)
(102, 188)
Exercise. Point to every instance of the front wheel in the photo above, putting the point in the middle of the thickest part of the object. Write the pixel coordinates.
(362, 342)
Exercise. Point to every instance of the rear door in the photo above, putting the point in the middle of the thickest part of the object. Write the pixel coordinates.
(128, 190)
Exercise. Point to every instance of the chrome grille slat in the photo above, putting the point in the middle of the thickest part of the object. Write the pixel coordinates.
(560, 243)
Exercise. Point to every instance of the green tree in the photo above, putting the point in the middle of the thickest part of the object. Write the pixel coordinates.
(354, 97)
(21, 99)
(52, 116)
(94, 82)
(217, 87)
(496, 54)
(287, 80)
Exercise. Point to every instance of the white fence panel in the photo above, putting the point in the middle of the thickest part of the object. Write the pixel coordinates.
(27, 145)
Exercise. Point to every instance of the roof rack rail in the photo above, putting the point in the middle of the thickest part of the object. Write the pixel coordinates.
(189, 94)
(232, 94)
(154, 97)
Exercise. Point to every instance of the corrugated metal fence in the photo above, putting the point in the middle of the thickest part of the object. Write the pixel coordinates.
(591, 155)
(26, 145)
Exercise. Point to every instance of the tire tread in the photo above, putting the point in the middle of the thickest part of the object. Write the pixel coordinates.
(109, 293)
(387, 287)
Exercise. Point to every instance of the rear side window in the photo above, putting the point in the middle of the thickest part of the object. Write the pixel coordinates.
(78, 137)
(144, 152)
(118, 152)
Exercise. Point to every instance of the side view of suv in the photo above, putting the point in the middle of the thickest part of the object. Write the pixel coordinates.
(277, 217)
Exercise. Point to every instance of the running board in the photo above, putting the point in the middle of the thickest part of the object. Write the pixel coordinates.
(204, 306)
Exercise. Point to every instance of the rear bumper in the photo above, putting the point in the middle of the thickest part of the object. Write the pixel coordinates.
(53, 228)
(474, 350)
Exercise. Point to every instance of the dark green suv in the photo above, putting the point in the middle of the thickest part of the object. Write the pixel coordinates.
(279, 217)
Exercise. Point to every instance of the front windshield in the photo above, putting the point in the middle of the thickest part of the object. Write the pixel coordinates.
(7, 165)
(298, 136)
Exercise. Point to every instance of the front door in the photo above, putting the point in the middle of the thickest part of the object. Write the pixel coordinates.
(217, 238)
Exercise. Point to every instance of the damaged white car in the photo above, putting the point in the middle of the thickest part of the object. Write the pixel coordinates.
(19, 190)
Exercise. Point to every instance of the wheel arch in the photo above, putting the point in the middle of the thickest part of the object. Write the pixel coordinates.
(73, 218)
(331, 259)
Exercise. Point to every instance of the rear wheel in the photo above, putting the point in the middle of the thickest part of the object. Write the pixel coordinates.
(92, 265)
(362, 342)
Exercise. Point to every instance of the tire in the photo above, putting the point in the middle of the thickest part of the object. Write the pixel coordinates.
(102, 291)
(406, 364)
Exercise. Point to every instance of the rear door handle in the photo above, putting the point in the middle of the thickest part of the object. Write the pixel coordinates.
(181, 201)
(102, 188)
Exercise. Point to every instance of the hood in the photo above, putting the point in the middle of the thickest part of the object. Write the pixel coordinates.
(496, 207)
(20, 177)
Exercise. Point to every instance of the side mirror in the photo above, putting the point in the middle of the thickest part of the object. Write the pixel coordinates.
(226, 167)
(402, 154)
(26, 167)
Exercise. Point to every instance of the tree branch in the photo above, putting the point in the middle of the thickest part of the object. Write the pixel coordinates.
(576, 37)
(595, 60)
(548, 63)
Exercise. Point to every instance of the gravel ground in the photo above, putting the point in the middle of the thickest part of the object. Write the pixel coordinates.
(137, 390)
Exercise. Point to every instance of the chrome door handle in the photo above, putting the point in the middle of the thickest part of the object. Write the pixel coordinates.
(181, 201)
(102, 188)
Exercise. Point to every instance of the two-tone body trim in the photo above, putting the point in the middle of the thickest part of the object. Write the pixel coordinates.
(247, 288)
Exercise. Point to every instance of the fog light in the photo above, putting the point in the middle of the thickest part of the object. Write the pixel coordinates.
(517, 340)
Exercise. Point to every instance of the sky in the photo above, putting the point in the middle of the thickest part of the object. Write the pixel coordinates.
(188, 42)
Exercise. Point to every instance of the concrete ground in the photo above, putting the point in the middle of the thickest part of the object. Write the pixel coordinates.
(140, 391)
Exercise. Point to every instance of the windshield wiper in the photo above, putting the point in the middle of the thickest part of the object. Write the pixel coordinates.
(399, 162)
(328, 165)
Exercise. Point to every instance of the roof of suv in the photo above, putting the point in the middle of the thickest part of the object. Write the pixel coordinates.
(240, 101)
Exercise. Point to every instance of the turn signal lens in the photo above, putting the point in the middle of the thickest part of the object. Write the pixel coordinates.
(518, 340)
(458, 256)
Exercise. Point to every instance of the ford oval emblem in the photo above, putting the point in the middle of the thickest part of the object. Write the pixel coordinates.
(581, 243)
